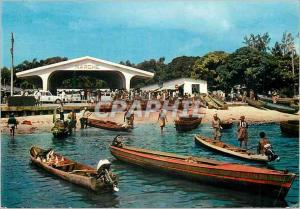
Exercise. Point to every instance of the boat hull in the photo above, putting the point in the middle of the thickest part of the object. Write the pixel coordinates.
(255, 103)
(226, 125)
(90, 183)
(206, 174)
(182, 126)
(290, 128)
(241, 155)
(107, 125)
(281, 108)
(284, 101)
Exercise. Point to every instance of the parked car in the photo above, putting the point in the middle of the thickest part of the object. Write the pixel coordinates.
(46, 96)
(106, 96)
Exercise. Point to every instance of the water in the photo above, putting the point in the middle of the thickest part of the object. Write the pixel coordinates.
(24, 185)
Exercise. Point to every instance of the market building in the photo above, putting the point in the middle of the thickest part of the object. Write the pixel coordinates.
(117, 76)
(183, 85)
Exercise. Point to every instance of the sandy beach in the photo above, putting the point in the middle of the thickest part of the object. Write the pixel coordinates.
(43, 123)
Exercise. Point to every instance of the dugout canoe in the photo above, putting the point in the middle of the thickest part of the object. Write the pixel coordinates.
(280, 100)
(187, 123)
(210, 103)
(255, 103)
(226, 124)
(73, 172)
(220, 103)
(281, 108)
(230, 150)
(240, 177)
(290, 127)
(108, 125)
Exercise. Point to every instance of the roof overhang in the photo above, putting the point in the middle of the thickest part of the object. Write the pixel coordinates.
(41, 70)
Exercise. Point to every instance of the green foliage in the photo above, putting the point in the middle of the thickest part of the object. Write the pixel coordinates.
(259, 42)
(26, 65)
(5, 76)
(205, 67)
(84, 82)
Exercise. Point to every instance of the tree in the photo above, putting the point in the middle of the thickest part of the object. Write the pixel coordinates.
(5, 76)
(180, 67)
(205, 67)
(259, 42)
(26, 65)
(247, 66)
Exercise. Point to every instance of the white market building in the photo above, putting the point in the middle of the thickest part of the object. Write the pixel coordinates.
(185, 85)
(118, 76)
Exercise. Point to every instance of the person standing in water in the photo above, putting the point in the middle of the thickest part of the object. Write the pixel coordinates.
(242, 132)
(61, 111)
(12, 124)
(162, 118)
(216, 125)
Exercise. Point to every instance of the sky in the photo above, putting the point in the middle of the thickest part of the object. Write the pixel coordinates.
(139, 30)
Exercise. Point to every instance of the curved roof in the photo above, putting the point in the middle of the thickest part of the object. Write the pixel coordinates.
(72, 61)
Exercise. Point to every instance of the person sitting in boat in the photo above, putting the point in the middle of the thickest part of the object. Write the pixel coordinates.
(264, 147)
(12, 124)
(162, 118)
(262, 142)
(216, 125)
(242, 132)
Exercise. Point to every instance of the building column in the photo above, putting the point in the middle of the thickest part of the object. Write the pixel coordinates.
(127, 80)
(45, 79)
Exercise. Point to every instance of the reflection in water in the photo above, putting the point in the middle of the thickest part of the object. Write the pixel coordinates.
(25, 185)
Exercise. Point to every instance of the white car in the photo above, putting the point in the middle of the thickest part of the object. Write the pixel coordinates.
(106, 96)
(72, 98)
(46, 96)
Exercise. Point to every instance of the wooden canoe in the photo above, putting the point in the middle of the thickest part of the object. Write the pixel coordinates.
(290, 127)
(246, 178)
(281, 108)
(226, 124)
(76, 173)
(209, 102)
(284, 101)
(230, 150)
(108, 125)
(255, 103)
(187, 123)
(220, 103)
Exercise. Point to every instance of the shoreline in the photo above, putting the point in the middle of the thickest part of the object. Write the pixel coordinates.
(43, 123)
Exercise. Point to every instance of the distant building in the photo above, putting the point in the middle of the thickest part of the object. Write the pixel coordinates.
(50, 77)
(184, 85)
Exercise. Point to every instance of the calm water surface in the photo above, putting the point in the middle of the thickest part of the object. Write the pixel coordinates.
(24, 185)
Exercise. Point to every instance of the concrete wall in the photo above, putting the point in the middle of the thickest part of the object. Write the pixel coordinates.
(188, 87)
